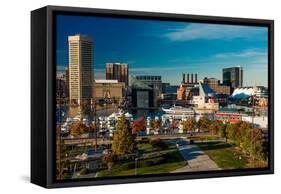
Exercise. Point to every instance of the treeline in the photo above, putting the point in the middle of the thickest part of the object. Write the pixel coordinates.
(250, 140)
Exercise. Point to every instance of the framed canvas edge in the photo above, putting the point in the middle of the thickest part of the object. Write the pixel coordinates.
(50, 74)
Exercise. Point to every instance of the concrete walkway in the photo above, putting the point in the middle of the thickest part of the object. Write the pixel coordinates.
(197, 160)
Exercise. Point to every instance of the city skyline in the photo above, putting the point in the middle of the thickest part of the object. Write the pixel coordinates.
(116, 126)
(169, 48)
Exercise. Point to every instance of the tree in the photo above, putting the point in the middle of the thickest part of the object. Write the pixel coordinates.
(222, 130)
(123, 140)
(109, 159)
(238, 131)
(93, 127)
(204, 123)
(78, 129)
(138, 125)
(231, 131)
(251, 140)
(174, 125)
(156, 124)
(189, 124)
(216, 127)
(62, 162)
(254, 144)
(242, 130)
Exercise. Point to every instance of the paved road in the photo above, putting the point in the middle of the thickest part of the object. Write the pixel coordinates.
(197, 160)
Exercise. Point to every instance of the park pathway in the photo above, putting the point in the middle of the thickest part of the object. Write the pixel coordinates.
(197, 160)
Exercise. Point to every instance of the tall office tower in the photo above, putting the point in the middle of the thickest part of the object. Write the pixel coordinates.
(117, 71)
(80, 69)
(233, 77)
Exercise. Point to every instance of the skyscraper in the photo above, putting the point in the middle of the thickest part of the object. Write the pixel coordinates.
(80, 68)
(117, 71)
(233, 77)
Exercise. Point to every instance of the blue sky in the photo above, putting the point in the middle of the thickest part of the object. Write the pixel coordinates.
(168, 48)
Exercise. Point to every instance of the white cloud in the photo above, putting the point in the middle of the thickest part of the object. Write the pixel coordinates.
(245, 53)
(214, 31)
(154, 69)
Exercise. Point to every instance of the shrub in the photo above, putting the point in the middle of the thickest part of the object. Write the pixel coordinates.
(151, 162)
(127, 166)
(159, 160)
(144, 140)
(145, 163)
(155, 141)
(109, 159)
(84, 171)
(65, 175)
(173, 157)
(158, 144)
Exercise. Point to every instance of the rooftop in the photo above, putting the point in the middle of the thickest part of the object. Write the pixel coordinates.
(106, 81)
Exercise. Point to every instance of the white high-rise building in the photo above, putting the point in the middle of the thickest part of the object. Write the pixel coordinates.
(80, 50)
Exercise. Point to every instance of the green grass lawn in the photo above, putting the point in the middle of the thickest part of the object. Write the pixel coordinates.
(145, 146)
(204, 138)
(148, 147)
(225, 155)
(154, 164)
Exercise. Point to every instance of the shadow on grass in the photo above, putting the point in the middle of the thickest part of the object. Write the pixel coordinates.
(213, 145)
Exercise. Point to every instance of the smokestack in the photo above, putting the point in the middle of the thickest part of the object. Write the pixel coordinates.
(192, 78)
(187, 78)
(183, 78)
(196, 78)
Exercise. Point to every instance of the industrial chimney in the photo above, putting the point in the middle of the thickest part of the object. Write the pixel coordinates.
(183, 78)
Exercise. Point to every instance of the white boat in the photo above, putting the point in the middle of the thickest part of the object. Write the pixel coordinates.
(77, 118)
(179, 110)
(69, 119)
(64, 129)
(117, 115)
(83, 156)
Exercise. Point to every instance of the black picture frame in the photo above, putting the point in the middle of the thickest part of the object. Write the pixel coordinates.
(43, 86)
